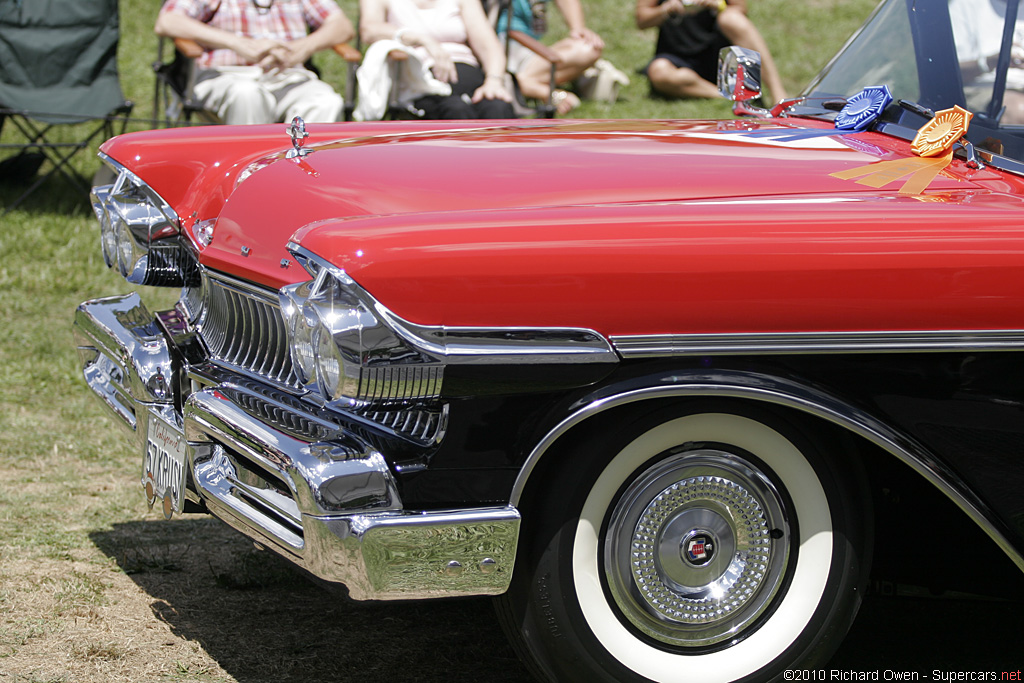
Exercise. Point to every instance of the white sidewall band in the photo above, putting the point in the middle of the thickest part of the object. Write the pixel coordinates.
(809, 576)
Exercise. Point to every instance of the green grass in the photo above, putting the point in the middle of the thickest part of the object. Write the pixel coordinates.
(75, 534)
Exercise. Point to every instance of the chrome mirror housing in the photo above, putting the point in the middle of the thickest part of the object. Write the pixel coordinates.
(739, 79)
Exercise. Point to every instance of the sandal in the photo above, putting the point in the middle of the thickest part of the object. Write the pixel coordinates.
(564, 101)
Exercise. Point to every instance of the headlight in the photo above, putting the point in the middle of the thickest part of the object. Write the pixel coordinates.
(344, 352)
(303, 355)
(108, 239)
(132, 218)
(126, 254)
(328, 365)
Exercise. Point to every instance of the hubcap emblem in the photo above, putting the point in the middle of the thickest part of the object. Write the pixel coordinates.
(698, 548)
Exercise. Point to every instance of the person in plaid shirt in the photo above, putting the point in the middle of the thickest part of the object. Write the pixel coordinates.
(252, 68)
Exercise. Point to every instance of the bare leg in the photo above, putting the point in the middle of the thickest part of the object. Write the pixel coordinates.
(673, 81)
(740, 30)
(535, 75)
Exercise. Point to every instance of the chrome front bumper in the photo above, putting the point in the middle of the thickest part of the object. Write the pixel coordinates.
(304, 487)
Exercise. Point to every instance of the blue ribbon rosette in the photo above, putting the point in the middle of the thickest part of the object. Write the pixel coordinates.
(863, 108)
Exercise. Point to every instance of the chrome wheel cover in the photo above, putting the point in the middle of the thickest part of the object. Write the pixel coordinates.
(696, 548)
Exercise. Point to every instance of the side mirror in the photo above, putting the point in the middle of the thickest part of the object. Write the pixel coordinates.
(739, 79)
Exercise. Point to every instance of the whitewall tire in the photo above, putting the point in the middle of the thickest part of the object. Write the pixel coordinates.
(700, 543)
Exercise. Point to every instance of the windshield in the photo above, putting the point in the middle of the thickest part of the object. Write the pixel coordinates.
(938, 53)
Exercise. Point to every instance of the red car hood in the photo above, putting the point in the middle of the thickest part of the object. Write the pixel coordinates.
(481, 225)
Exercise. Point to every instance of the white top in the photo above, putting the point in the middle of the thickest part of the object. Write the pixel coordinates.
(441, 19)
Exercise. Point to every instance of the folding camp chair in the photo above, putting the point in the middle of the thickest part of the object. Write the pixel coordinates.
(174, 101)
(58, 69)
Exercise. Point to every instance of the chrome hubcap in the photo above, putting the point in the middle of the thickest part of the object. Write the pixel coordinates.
(696, 548)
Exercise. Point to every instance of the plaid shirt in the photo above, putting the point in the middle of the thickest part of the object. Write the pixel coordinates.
(284, 20)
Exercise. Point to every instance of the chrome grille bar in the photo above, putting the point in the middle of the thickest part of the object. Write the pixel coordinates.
(242, 326)
(401, 383)
(427, 426)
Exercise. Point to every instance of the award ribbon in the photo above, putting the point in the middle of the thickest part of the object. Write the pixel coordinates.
(933, 146)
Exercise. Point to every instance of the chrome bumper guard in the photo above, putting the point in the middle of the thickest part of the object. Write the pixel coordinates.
(293, 483)
(124, 357)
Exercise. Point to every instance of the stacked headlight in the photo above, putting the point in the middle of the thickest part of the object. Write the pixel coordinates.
(342, 350)
(108, 240)
(132, 217)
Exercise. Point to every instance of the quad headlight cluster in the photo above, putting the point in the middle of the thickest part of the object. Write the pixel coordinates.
(342, 349)
(139, 233)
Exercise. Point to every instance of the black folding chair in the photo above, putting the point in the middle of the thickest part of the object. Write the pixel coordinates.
(59, 86)
(174, 103)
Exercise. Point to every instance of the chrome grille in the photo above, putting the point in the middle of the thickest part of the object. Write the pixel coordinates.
(424, 425)
(242, 327)
(401, 382)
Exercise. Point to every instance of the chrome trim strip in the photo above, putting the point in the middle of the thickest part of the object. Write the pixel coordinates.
(477, 345)
(659, 345)
(751, 386)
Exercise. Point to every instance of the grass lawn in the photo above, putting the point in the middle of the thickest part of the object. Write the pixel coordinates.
(93, 587)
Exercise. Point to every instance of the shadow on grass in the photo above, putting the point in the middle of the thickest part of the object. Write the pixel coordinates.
(261, 621)
(25, 186)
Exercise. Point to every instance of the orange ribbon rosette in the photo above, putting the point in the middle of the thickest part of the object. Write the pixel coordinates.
(941, 133)
(933, 146)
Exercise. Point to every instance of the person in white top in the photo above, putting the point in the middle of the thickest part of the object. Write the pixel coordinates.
(455, 40)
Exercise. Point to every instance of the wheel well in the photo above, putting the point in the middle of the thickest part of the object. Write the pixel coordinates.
(916, 524)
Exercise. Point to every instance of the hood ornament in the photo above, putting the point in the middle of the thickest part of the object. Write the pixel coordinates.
(297, 130)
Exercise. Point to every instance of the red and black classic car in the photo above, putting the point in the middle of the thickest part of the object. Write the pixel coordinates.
(648, 392)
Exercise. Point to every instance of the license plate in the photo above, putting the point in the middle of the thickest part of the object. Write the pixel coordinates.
(163, 466)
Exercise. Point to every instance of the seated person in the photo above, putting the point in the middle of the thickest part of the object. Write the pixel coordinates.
(690, 36)
(252, 68)
(978, 32)
(455, 41)
(578, 52)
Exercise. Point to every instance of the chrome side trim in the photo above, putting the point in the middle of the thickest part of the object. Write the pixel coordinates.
(477, 345)
(656, 345)
(752, 386)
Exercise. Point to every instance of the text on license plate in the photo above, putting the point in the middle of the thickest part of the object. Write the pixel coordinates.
(163, 466)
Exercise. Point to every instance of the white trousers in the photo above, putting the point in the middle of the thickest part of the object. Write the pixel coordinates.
(247, 94)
